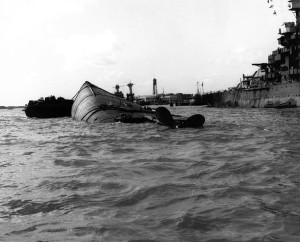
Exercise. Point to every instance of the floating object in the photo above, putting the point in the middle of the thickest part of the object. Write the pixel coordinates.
(278, 105)
(286, 105)
(269, 104)
(50, 107)
(165, 117)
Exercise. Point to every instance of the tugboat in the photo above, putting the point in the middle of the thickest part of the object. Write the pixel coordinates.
(50, 107)
(275, 83)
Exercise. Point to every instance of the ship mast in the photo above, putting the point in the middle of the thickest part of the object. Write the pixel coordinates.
(295, 7)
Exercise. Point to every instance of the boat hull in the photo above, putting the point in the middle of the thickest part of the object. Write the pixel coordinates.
(56, 108)
(48, 111)
(93, 104)
(281, 95)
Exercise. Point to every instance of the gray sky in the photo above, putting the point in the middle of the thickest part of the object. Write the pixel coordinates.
(50, 47)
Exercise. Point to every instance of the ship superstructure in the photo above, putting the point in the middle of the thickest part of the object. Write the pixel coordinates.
(276, 83)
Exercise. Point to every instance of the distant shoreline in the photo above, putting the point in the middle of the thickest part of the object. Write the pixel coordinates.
(11, 107)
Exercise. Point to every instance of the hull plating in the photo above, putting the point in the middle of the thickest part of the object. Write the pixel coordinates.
(93, 104)
(273, 96)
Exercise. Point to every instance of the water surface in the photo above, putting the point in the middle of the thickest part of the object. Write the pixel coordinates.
(235, 179)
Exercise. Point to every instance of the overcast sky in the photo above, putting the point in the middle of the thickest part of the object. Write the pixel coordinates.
(51, 47)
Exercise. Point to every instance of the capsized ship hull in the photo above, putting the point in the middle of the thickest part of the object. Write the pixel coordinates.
(93, 104)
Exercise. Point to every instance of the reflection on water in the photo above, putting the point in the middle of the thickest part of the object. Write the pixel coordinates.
(235, 179)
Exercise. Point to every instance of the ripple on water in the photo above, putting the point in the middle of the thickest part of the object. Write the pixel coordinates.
(75, 162)
(236, 179)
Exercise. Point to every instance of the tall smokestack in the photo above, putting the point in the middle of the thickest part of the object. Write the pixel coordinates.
(154, 86)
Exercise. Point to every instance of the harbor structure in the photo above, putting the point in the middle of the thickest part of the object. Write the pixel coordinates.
(178, 99)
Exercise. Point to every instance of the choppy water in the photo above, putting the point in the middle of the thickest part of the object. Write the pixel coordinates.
(236, 179)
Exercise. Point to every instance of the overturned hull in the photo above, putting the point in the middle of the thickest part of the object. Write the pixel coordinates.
(93, 104)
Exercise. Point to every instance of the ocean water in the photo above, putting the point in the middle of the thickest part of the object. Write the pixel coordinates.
(235, 179)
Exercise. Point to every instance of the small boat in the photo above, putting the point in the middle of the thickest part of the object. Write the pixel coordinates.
(286, 105)
(50, 107)
(93, 104)
(269, 104)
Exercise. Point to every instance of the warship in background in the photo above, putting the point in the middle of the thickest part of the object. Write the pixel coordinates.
(276, 84)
